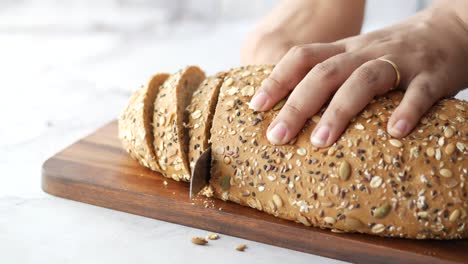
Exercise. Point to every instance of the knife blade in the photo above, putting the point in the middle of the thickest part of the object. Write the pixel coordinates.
(200, 173)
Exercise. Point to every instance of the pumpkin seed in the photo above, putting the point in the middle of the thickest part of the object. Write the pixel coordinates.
(196, 114)
(249, 90)
(303, 220)
(443, 117)
(448, 133)
(229, 81)
(219, 150)
(277, 200)
(395, 142)
(316, 119)
(213, 236)
(423, 214)
(366, 114)
(199, 241)
(241, 247)
(446, 173)
(353, 223)
(225, 183)
(345, 170)
(378, 228)
(449, 149)
(382, 211)
(454, 215)
(301, 151)
(430, 152)
(376, 181)
(279, 105)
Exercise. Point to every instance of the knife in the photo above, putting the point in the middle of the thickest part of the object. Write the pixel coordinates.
(200, 173)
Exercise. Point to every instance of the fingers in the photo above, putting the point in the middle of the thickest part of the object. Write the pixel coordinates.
(421, 94)
(372, 78)
(290, 71)
(310, 94)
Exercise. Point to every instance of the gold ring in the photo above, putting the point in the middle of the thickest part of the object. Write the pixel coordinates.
(397, 71)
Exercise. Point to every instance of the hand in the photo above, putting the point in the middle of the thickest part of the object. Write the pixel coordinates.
(430, 50)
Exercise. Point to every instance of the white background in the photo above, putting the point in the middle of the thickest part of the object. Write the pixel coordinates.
(68, 67)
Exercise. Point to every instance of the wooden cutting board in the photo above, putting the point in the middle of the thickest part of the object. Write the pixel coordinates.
(96, 170)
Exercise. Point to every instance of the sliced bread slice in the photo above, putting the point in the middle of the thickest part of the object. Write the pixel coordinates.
(135, 128)
(200, 114)
(170, 136)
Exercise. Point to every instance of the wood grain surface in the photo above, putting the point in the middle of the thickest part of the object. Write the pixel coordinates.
(96, 170)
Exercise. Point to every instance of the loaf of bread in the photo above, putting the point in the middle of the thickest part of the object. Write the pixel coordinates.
(135, 129)
(367, 182)
(200, 114)
(170, 136)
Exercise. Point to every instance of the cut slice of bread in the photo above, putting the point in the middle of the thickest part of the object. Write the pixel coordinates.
(135, 128)
(171, 140)
(200, 114)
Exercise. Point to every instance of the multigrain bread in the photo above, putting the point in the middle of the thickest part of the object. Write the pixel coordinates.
(200, 115)
(135, 123)
(170, 136)
(366, 182)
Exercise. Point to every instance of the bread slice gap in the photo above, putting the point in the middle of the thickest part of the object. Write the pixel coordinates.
(135, 123)
(171, 139)
(200, 115)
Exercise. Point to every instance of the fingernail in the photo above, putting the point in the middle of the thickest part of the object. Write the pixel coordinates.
(399, 128)
(277, 133)
(320, 137)
(258, 101)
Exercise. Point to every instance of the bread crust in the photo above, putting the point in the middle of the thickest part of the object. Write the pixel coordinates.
(135, 123)
(367, 182)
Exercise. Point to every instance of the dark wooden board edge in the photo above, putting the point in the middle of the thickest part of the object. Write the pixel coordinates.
(59, 181)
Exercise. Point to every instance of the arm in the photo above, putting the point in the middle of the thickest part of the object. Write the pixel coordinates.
(295, 22)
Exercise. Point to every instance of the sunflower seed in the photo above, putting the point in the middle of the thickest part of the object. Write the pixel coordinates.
(454, 215)
(345, 170)
(395, 142)
(241, 247)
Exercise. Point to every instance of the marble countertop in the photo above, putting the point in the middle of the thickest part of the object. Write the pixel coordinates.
(60, 82)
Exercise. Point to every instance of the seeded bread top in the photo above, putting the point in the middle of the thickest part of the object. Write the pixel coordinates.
(366, 182)
(135, 128)
(200, 114)
(170, 136)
